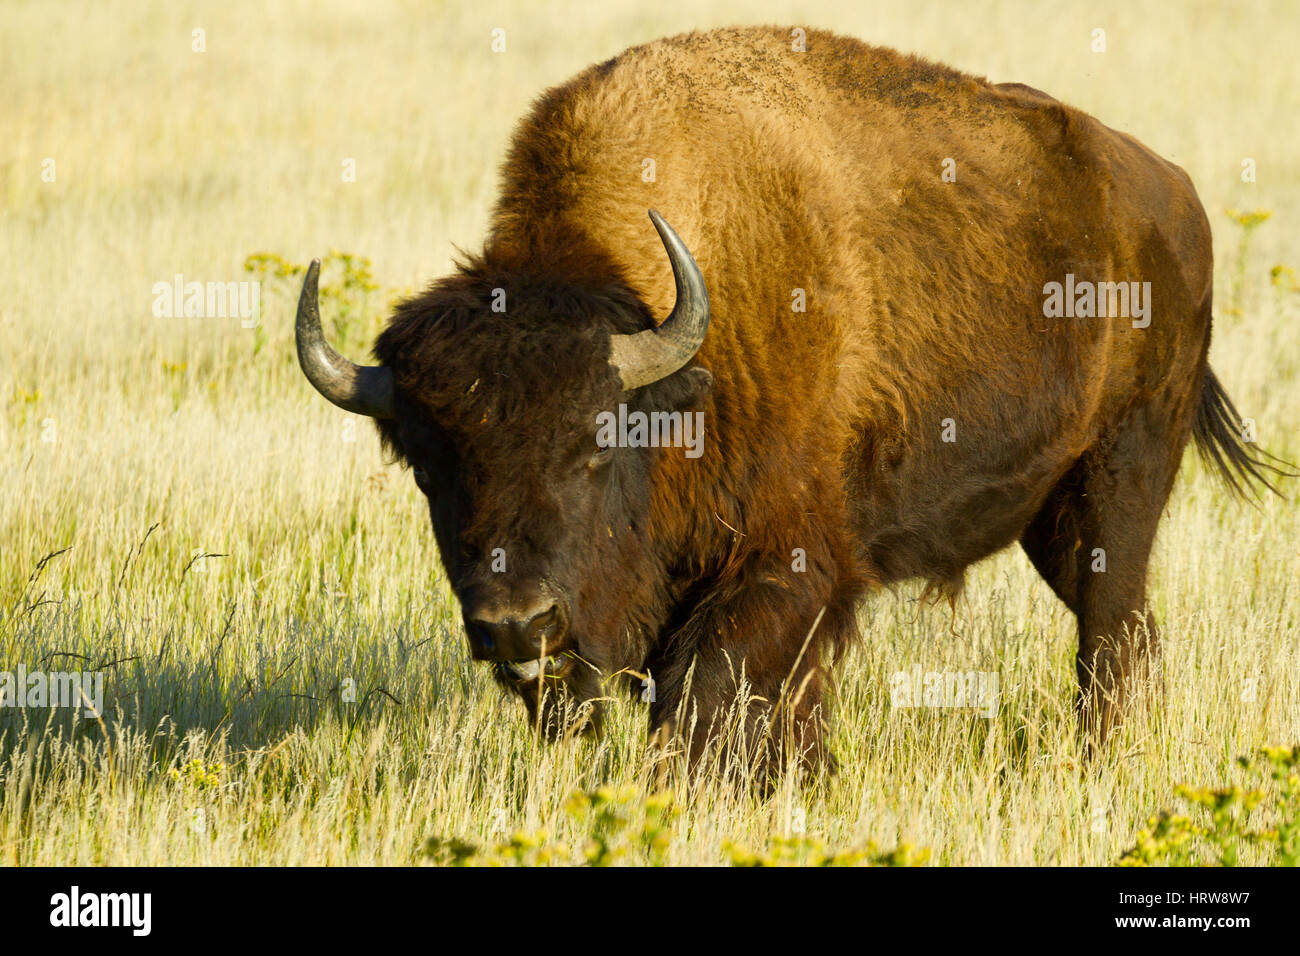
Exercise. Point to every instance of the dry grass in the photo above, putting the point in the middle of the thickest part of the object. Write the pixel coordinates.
(170, 161)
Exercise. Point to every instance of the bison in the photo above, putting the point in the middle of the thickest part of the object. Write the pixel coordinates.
(921, 317)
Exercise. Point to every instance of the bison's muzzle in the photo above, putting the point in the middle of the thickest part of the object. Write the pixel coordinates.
(498, 633)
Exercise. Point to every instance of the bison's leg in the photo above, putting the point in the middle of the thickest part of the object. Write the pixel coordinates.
(741, 680)
(1091, 542)
(1053, 538)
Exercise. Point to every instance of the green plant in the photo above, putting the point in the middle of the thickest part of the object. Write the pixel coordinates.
(1217, 827)
(196, 776)
(802, 851)
(1249, 222)
(615, 823)
(1283, 278)
(21, 403)
(348, 294)
(619, 826)
(612, 813)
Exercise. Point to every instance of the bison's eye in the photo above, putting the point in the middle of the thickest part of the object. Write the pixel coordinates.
(600, 457)
(421, 478)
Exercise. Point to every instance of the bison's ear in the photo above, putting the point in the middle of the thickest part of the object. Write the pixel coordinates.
(682, 391)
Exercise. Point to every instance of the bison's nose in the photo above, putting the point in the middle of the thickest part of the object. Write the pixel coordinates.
(508, 634)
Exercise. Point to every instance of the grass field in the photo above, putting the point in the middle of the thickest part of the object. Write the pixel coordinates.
(232, 551)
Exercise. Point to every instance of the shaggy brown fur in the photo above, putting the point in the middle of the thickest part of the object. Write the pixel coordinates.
(820, 171)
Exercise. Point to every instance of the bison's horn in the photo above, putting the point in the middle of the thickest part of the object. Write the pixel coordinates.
(645, 357)
(363, 389)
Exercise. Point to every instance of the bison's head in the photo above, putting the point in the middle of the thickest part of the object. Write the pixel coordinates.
(491, 387)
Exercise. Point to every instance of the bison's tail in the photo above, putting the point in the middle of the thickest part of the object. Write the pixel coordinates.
(1219, 439)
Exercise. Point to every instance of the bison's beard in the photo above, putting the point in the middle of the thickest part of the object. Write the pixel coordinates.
(559, 706)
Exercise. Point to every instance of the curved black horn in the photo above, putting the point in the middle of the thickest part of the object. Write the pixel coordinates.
(363, 389)
(644, 357)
